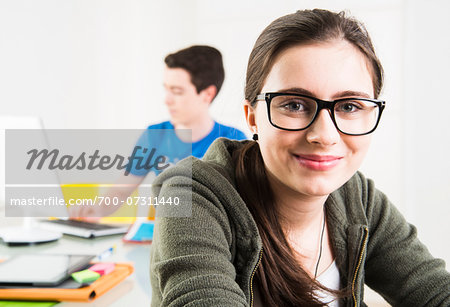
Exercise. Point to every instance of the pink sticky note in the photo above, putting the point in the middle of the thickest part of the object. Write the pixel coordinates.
(102, 268)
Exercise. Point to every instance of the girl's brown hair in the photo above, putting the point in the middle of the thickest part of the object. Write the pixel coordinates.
(280, 278)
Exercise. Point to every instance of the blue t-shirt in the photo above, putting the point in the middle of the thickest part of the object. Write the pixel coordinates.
(161, 140)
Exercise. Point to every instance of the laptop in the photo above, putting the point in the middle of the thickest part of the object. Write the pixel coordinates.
(29, 232)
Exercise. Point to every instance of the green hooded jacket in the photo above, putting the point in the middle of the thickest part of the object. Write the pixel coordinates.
(209, 258)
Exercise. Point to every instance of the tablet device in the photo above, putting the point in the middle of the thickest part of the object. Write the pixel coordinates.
(41, 269)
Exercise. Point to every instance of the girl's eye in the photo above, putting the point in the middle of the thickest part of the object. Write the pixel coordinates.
(349, 107)
(294, 106)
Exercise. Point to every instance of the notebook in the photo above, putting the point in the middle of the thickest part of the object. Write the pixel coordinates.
(140, 232)
(82, 228)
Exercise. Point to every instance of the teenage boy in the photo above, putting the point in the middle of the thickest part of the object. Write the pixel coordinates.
(192, 79)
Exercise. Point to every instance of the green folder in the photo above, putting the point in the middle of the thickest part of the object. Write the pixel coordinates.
(26, 304)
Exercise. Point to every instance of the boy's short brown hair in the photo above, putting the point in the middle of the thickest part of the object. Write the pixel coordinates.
(203, 63)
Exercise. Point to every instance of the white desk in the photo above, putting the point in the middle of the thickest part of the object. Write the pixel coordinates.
(134, 290)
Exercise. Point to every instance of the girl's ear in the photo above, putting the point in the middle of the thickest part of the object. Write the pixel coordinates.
(249, 112)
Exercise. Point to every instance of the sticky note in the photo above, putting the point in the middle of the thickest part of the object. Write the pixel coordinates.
(85, 276)
(103, 268)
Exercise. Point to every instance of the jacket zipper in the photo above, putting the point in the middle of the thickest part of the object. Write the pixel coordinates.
(366, 234)
(253, 274)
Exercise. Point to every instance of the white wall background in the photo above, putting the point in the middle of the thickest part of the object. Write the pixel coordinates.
(98, 64)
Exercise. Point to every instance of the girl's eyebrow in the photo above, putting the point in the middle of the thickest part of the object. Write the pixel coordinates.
(302, 91)
(351, 94)
(297, 90)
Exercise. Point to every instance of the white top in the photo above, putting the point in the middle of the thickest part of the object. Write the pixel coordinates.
(330, 278)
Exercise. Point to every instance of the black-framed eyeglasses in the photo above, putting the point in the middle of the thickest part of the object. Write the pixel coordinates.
(295, 112)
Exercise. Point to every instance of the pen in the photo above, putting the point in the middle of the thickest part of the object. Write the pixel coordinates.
(106, 253)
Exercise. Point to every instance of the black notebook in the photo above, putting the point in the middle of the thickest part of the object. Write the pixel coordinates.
(82, 228)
